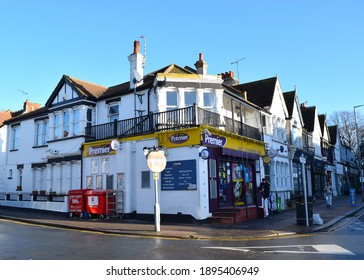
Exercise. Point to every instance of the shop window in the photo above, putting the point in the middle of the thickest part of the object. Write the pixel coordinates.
(212, 164)
(267, 172)
(213, 189)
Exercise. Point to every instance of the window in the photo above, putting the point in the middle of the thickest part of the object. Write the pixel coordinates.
(208, 100)
(20, 176)
(113, 112)
(66, 123)
(57, 126)
(15, 137)
(190, 98)
(145, 179)
(89, 118)
(76, 122)
(41, 132)
(171, 100)
(172, 117)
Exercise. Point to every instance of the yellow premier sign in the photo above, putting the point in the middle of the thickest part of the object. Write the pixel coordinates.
(218, 139)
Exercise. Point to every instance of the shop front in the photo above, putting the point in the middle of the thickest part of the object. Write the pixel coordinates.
(236, 178)
(204, 172)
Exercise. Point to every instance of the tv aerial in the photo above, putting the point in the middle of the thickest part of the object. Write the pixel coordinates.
(23, 92)
(145, 50)
(237, 65)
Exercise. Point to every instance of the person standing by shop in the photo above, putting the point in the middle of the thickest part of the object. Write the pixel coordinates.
(264, 190)
(328, 195)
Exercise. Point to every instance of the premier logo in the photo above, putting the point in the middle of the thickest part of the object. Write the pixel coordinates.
(179, 138)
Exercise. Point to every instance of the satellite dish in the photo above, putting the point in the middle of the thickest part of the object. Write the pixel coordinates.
(137, 76)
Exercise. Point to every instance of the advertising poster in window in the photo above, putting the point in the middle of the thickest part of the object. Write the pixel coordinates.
(120, 181)
(99, 182)
(89, 182)
(105, 165)
(179, 176)
(95, 166)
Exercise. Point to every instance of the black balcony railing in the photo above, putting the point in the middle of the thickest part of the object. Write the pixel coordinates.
(163, 121)
(242, 129)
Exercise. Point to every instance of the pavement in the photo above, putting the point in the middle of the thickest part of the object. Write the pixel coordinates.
(278, 224)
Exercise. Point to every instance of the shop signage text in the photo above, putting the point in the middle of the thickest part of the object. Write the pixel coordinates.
(179, 138)
(99, 150)
(214, 140)
(179, 175)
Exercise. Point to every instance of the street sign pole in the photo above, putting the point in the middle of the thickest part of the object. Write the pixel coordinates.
(156, 162)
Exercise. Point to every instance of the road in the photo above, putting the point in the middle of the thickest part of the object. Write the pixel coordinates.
(19, 241)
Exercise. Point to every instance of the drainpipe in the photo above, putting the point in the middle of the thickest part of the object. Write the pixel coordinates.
(82, 148)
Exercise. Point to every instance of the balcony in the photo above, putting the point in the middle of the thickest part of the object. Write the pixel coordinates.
(168, 120)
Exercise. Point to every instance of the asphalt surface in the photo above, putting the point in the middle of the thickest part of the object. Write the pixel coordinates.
(276, 225)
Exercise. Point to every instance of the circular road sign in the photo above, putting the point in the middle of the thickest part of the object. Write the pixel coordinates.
(156, 161)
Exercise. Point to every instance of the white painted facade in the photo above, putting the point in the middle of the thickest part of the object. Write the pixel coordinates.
(275, 137)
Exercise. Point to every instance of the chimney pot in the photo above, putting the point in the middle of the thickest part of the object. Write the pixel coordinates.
(200, 56)
(136, 46)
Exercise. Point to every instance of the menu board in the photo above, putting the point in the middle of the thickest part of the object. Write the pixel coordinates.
(179, 175)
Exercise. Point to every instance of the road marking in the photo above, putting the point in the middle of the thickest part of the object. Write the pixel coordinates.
(294, 249)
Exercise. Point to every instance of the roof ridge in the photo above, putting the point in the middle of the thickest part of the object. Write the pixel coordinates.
(83, 81)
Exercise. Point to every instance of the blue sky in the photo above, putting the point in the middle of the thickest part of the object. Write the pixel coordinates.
(315, 46)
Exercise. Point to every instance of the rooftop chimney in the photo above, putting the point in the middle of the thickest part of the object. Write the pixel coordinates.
(201, 65)
(229, 78)
(4, 115)
(29, 106)
(136, 66)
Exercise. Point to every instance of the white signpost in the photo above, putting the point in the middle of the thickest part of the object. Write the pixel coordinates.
(156, 162)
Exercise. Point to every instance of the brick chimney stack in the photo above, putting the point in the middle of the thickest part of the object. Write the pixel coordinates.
(201, 65)
(30, 106)
(4, 115)
(229, 78)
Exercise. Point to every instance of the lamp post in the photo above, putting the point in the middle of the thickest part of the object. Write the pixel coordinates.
(156, 161)
(359, 153)
(303, 162)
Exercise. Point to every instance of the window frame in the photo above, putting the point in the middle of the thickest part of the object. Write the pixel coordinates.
(15, 131)
(211, 99)
(112, 116)
(41, 132)
(171, 106)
